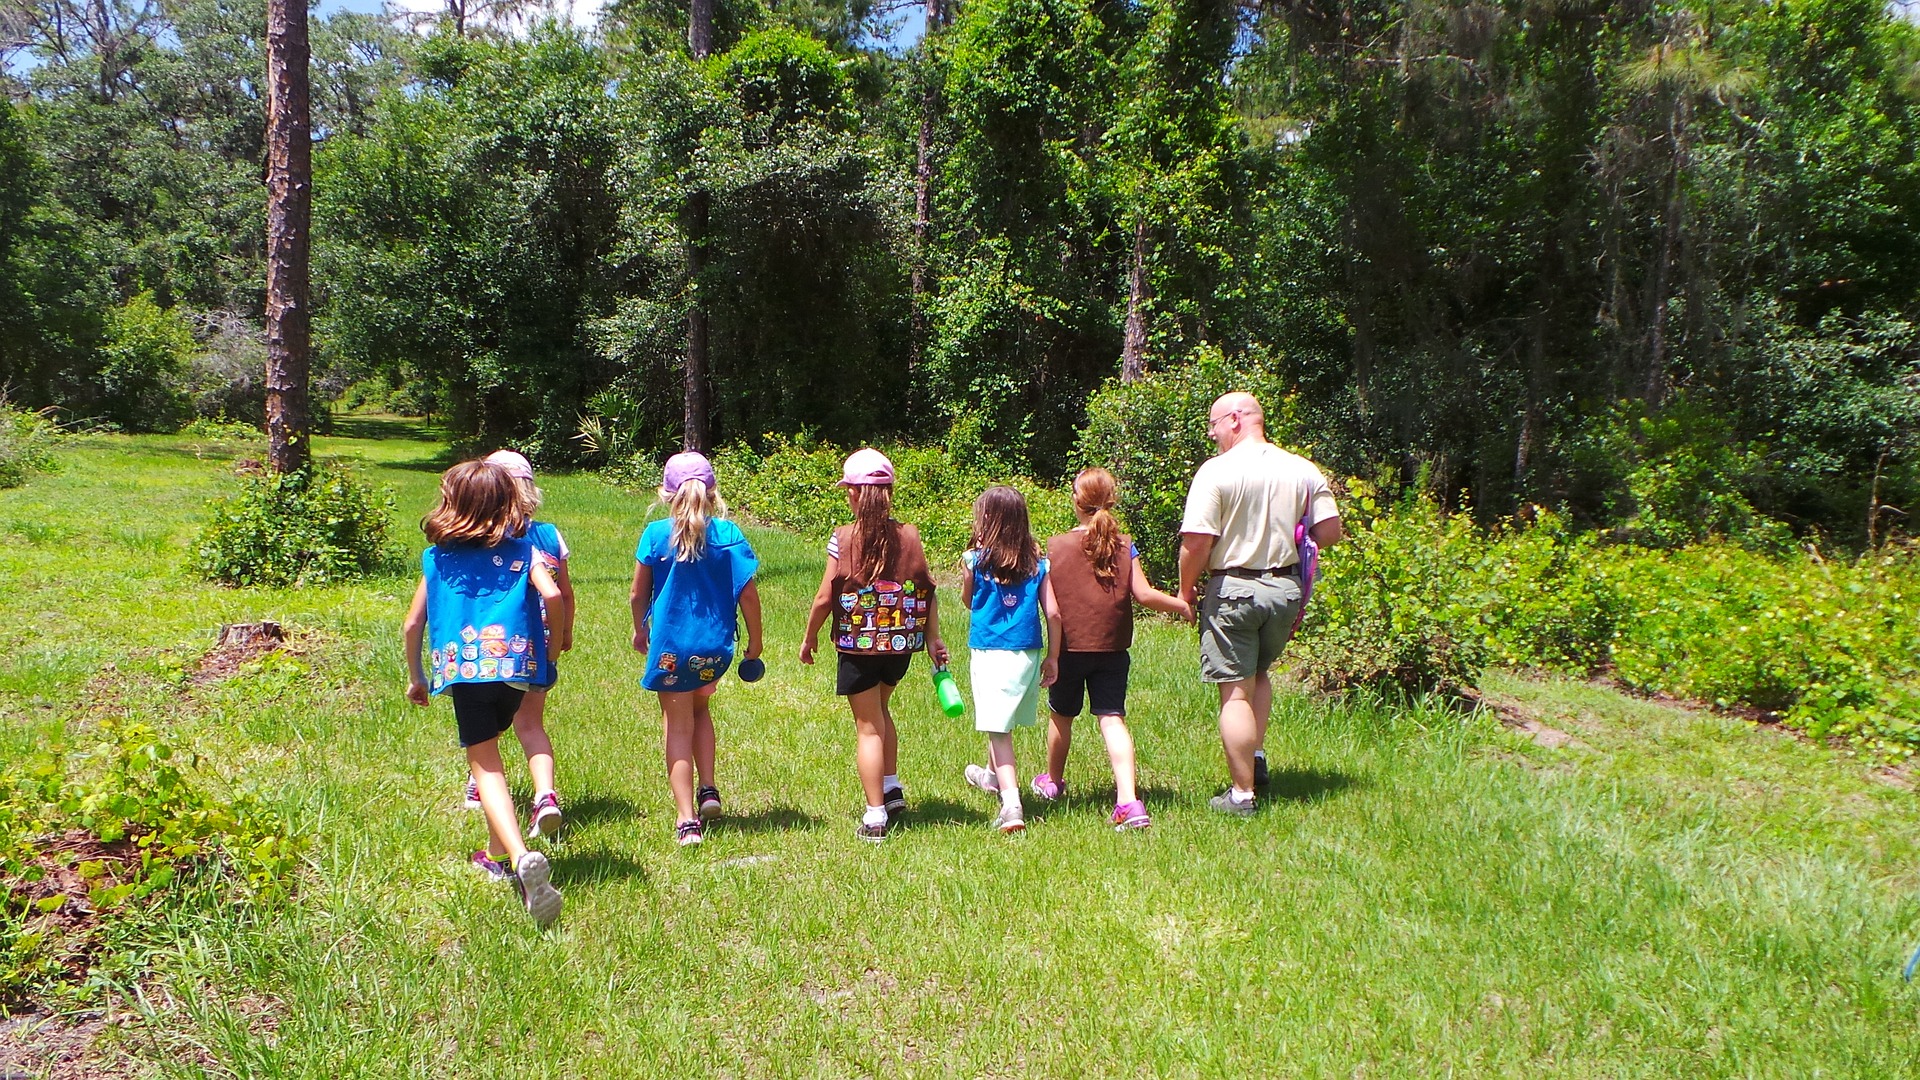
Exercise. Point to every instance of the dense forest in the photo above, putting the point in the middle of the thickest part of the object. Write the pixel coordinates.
(1655, 264)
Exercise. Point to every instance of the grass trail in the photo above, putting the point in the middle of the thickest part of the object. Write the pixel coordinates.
(1685, 896)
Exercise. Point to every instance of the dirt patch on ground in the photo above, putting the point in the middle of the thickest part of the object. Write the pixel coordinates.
(1518, 718)
(238, 644)
(83, 1046)
(56, 890)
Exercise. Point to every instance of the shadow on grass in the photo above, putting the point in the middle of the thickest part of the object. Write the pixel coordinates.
(573, 867)
(768, 820)
(385, 427)
(1308, 785)
(923, 810)
(593, 809)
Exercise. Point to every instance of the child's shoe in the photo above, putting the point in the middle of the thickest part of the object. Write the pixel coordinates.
(496, 869)
(473, 793)
(872, 833)
(536, 888)
(690, 832)
(1227, 804)
(1047, 787)
(1010, 820)
(709, 800)
(547, 818)
(895, 800)
(1260, 775)
(1130, 815)
(982, 777)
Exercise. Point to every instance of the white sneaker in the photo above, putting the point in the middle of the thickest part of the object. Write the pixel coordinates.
(982, 777)
(536, 888)
(1010, 820)
(547, 818)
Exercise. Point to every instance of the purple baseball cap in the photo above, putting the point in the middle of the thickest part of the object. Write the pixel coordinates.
(866, 466)
(516, 464)
(685, 466)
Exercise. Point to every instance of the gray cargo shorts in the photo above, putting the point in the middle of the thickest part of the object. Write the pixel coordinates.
(1244, 623)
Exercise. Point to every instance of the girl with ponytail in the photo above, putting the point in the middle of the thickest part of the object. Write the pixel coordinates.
(879, 592)
(692, 572)
(1097, 578)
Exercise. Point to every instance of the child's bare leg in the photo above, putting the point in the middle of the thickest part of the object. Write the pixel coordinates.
(1000, 757)
(1059, 740)
(703, 737)
(1113, 728)
(889, 737)
(676, 711)
(503, 825)
(530, 727)
(870, 729)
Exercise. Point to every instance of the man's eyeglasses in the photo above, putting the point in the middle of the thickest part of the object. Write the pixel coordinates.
(1212, 420)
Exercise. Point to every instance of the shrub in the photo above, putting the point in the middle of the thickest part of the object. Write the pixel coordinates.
(302, 528)
(92, 843)
(143, 359)
(1399, 608)
(26, 443)
(1549, 602)
(1152, 435)
(794, 485)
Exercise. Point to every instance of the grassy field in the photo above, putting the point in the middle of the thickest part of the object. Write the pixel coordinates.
(1674, 894)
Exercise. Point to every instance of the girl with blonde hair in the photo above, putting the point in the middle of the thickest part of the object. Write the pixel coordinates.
(693, 572)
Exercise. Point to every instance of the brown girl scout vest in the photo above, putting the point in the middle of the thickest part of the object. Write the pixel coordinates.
(1093, 617)
(887, 615)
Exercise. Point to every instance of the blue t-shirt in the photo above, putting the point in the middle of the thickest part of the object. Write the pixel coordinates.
(551, 549)
(691, 620)
(483, 615)
(1004, 616)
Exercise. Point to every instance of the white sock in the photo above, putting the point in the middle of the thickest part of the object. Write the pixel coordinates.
(1010, 798)
(889, 781)
(543, 793)
(875, 815)
(1241, 796)
(1260, 755)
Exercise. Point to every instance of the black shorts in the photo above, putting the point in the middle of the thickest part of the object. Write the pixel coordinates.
(863, 671)
(483, 710)
(1101, 677)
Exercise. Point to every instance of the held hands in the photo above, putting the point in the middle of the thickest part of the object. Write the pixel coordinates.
(1186, 601)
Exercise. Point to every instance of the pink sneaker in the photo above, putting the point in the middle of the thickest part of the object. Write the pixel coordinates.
(547, 817)
(1130, 815)
(1047, 787)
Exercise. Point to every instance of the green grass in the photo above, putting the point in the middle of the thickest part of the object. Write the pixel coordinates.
(1685, 896)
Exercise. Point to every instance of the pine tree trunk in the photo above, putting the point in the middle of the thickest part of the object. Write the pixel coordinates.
(923, 207)
(699, 206)
(1133, 346)
(289, 213)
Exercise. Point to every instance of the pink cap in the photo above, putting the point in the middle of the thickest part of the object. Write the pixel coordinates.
(516, 464)
(866, 466)
(684, 466)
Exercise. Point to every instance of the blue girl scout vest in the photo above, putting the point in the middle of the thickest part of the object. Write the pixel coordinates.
(483, 615)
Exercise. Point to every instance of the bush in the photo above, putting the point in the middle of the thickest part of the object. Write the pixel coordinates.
(1550, 604)
(1152, 435)
(26, 443)
(310, 527)
(143, 360)
(91, 843)
(795, 485)
(227, 378)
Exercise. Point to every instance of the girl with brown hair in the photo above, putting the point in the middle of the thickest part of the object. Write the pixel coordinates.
(879, 592)
(1097, 578)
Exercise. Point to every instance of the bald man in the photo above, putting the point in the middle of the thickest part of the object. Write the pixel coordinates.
(1238, 528)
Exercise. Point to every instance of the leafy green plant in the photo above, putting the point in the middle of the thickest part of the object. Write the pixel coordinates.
(27, 439)
(142, 364)
(301, 528)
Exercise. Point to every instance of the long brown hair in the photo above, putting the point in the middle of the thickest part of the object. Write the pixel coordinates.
(1094, 493)
(1003, 533)
(480, 504)
(876, 536)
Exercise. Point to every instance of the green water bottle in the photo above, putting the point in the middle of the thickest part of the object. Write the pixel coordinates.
(947, 692)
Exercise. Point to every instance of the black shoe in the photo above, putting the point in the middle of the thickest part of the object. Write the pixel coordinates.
(709, 800)
(1259, 773)
(895, 801)
(872, 833)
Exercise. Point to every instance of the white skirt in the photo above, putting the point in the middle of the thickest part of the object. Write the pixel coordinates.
(1006, 688)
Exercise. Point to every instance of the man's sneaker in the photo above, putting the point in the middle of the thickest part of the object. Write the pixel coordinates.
(1226, 804)
(982, 777)
(547, 818)
(1259, 773)
(496, 869)
(1130, 815)
(873, 834)
(536, 888)
(895, 800)
(1047, 787)
(690, 832)
(473, 793)
(709, 800)
(1010, 820)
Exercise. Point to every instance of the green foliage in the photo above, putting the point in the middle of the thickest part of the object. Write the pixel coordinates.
(151, 833)
(794, 484)
(310, 527)
(1152, 436)
(142, 360)
(26, 442)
